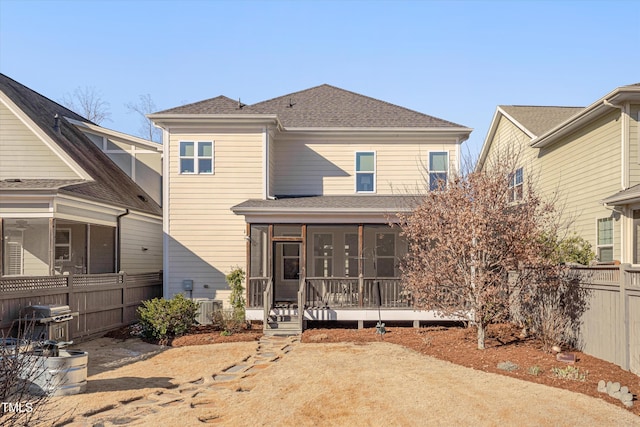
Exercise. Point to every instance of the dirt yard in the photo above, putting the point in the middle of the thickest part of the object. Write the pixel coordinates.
(337, 377)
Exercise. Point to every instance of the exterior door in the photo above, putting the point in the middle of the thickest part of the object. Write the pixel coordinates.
(286, 271)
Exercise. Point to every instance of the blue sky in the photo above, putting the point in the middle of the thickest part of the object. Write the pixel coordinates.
(456, 60)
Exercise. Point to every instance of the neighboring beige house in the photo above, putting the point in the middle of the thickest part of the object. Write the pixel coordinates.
(299, 191)
(65, 207)
(586, 158)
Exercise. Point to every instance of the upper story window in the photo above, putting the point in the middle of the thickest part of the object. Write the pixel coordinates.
(605, 240)
(516, 184)
(438, 169)
(366, 172)
(196, 157)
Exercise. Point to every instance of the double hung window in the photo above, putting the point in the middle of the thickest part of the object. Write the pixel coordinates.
(516, 184)
(605, 240)
(196, 157)
(366, 172)
(438, 169)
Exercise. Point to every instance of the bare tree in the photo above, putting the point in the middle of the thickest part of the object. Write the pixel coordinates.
(144, 106)
(24, 383)
(87, 101)
(468, 236)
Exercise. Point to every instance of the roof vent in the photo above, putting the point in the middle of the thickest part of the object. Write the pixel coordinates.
(141, 197)
(240, 104)
(56, 123)
(291, 103)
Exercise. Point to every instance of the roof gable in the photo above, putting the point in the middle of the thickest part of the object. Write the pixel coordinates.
(536, 120)
(110, 183)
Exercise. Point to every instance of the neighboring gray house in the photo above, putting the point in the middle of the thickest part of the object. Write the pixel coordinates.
(65, 206)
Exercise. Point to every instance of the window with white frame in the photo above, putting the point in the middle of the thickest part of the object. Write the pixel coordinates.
(438, 169)
(365, 172)
(323, 255)
(516, 185)
(605, 240)
(196, 157)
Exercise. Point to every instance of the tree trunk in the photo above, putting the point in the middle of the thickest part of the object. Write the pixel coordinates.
(481, 333)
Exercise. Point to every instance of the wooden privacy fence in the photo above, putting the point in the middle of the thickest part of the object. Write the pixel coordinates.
(611, 325)
(103, 301)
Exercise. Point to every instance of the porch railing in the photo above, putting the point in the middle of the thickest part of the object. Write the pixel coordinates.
(255, 292)
(354, 292)
(302, 297)
(268, 297)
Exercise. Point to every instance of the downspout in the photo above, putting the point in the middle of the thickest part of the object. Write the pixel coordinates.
(119, 239)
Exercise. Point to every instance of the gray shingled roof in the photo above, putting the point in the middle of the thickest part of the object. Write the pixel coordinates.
(368, 203)
(37, 184)
(538, 120)
(623, 197)
(322, 106)
(111, 184)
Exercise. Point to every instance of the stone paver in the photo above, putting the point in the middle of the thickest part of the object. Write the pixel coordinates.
(197, 393)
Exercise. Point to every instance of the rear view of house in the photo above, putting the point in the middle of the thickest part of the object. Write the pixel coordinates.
(299, 191)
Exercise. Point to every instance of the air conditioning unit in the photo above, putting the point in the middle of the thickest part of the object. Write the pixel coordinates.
(206, 310)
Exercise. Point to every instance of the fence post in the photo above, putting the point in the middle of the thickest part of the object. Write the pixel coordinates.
(123, 316)
(624, 316)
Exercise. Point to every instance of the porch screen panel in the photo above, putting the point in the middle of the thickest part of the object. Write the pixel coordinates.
(101, 249)
(385, 254)
(259, 242)
(351, 254)
(323, 255)
(26, 247)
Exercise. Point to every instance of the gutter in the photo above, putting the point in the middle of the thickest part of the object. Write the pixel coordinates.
(119, 239)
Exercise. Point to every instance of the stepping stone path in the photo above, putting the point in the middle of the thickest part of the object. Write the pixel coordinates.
(199, 393)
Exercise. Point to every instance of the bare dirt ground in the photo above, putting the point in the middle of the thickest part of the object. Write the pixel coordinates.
(427, 376)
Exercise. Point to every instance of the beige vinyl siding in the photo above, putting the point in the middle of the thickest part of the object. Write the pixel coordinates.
(24, 155)
(328, 167)
(634, 145)
(582, 169)
(510, 139)
(138, 232)
(206, 239)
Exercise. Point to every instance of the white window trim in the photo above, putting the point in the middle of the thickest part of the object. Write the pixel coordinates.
(513, 186)
(613, 237)
(374, 172)
(447, 171)
(195, 158)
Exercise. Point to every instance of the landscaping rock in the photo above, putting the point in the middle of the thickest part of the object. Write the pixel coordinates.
(602, 386)
(616, 395)
(626, 397)
(628, 404)
(609, 385)
(624, 389)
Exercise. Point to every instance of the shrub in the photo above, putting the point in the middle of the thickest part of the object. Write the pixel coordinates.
(236, 299)
(535, 370)
(228, 321)
(507, 366)
(570, 373)
(162, 319)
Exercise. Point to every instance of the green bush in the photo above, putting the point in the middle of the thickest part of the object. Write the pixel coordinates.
(162, 319)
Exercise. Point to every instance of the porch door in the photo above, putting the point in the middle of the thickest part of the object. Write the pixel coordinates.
(286, 271)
